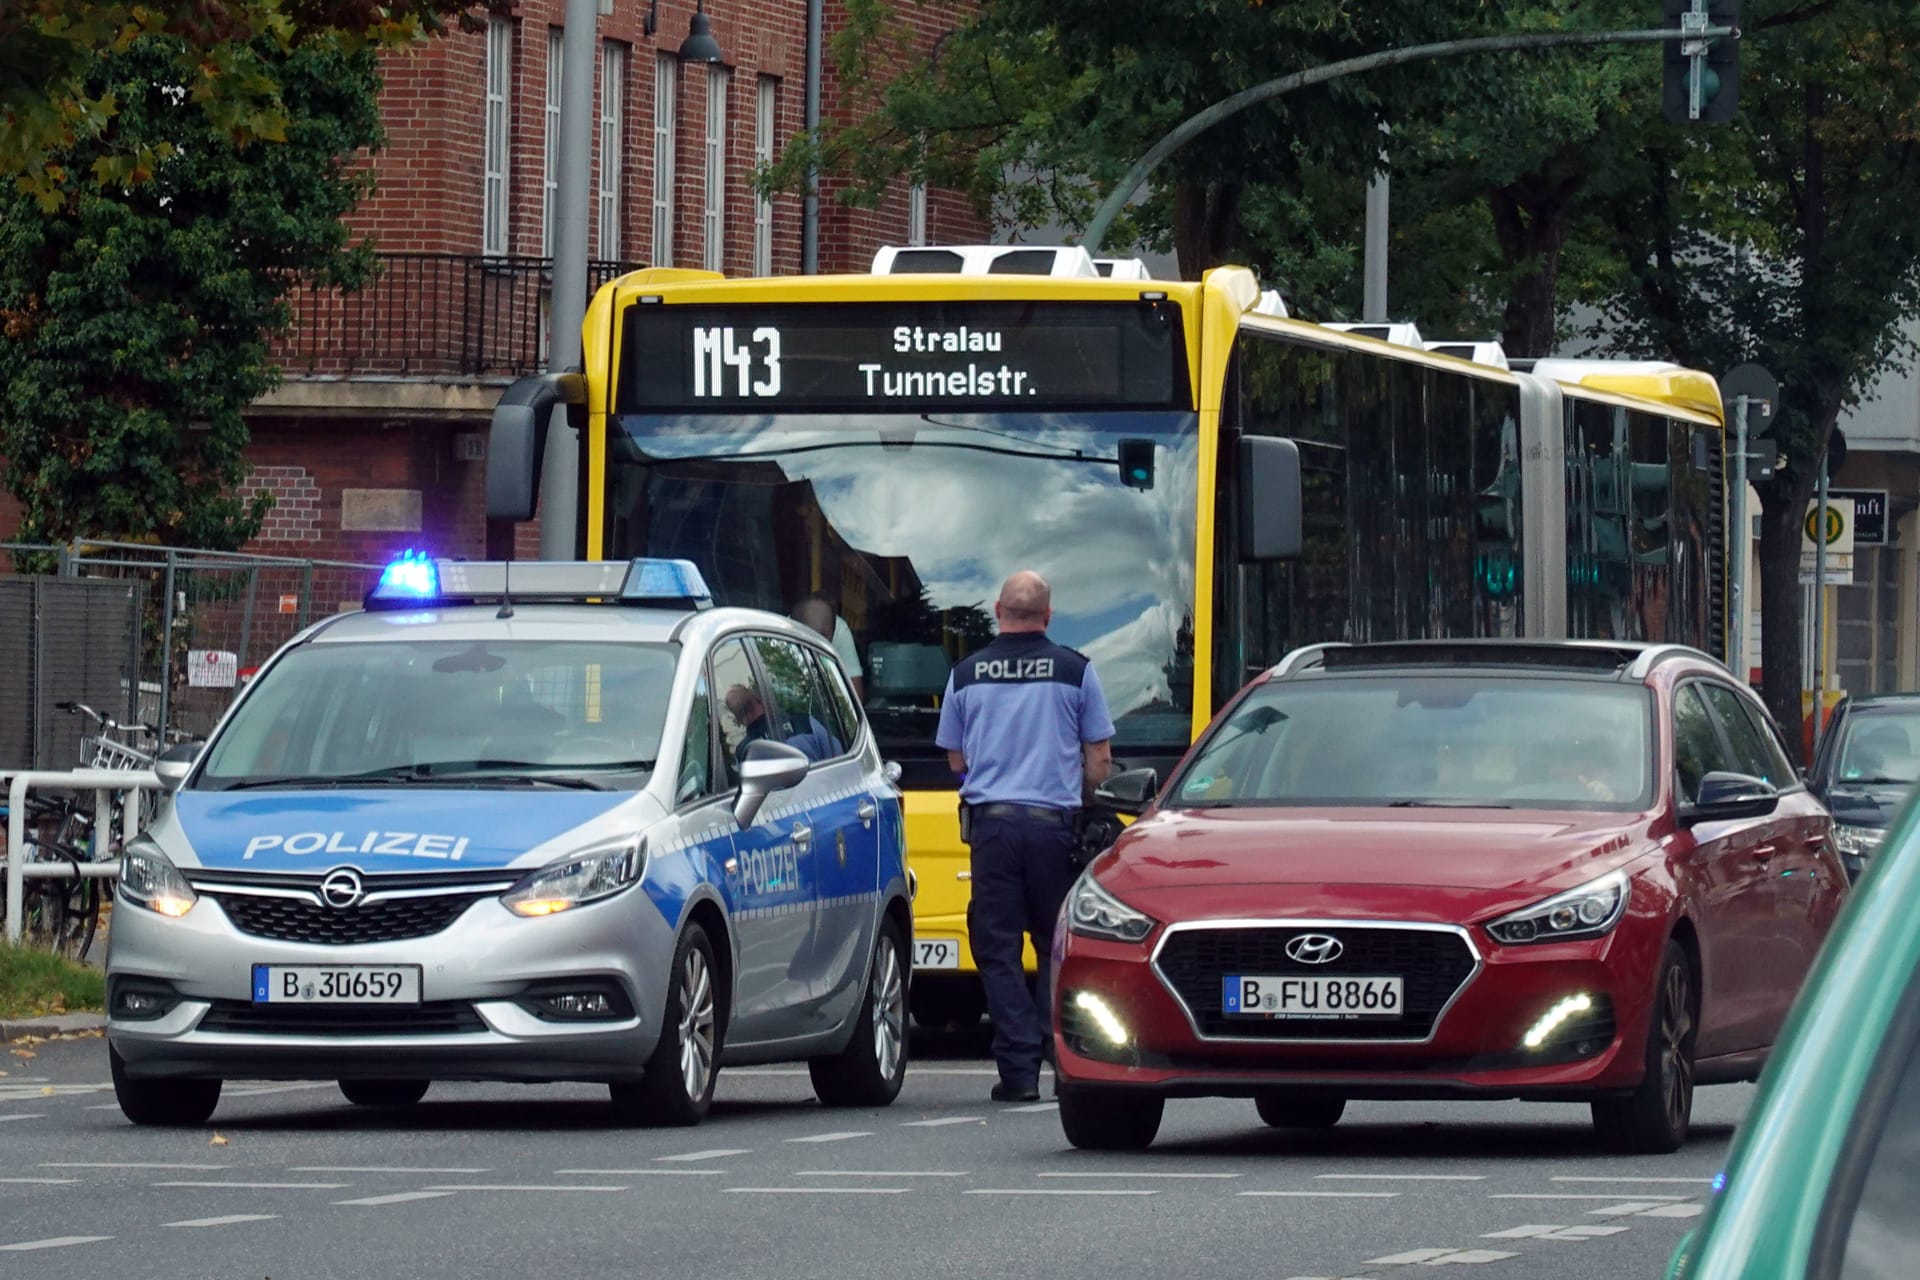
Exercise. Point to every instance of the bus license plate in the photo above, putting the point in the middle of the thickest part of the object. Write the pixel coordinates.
(1340, 998)
(936, 953)
(336, 984)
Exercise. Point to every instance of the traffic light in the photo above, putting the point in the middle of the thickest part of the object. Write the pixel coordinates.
(1716, 59)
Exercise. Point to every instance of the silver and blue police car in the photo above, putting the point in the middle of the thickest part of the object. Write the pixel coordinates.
(538, 822)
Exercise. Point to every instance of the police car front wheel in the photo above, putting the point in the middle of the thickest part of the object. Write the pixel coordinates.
(162, 1102)
(677, 1087)
(873, 1066)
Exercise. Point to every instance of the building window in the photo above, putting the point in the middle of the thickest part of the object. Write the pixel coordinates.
(493, 206)
(719, 80)
(766, 113)
(917, 213)
(666, 91)
(550, 180)
(613, 101)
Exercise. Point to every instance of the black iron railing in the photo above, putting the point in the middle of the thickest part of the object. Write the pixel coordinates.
(431, 315)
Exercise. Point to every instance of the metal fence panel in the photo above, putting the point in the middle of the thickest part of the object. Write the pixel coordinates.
(62, 639)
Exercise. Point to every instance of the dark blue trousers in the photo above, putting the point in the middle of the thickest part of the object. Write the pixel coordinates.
(1021, 875)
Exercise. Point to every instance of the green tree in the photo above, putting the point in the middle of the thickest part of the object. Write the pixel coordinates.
(137, 317)
(224, 54)
(1791, 237)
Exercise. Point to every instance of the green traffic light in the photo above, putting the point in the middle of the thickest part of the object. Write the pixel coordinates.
(1709, 85)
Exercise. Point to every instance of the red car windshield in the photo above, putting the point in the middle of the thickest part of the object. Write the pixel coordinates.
(1467, 741)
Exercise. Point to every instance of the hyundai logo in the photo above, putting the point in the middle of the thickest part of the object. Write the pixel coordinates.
(341, 889)
(1313, 948)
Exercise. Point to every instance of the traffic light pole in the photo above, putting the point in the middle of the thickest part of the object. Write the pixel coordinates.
(1227, 108)
(1737, 531)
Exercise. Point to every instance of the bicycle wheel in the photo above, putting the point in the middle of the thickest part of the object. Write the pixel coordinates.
(43, 914)
(80, 916)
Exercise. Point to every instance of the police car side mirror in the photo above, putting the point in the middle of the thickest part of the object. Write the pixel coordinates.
(1129, 792)
(175, 764)
(766, 767)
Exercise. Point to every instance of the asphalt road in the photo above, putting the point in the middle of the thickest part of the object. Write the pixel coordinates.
(290, 1181)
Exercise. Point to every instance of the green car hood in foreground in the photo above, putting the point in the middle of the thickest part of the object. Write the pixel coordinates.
(1774, 1214)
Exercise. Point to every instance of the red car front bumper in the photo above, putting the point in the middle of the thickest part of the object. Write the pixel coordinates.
(1165, 996)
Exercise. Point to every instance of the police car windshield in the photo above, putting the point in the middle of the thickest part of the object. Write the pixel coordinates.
(1428, 741)
(427, 712)
(909, 522)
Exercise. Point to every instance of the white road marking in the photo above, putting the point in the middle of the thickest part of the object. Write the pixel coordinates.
(262, 1186)
(56, 1242)
(1323, 1195)
(1539, 1232)
(1568, 1195)
(1527, 1232)
(1674, 1211)
(225, 1220)
(835, 1137)
(717, 1153)
(936, 1124)
(398, 1197)
(47, 1182)
(1439, 1257)
(1058, 1191)
(258, 1090)
(37, 1115)
(510, 1186)
(1624, 1207)
(374, 1168)
(650, 1173)
(819, 1191)
(128, 1164)
(1140, 1175)
(880, 1173)
(1038, 1106)
(1627, 1177)
(1400, 1177)
(1585, 1230)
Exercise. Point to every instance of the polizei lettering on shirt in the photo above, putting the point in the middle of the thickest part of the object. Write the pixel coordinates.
(1014, 669)
(399, 844)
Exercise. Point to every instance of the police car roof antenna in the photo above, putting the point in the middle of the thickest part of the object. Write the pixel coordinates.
(506, 590)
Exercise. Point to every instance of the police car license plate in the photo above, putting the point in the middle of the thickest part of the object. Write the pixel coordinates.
(336, 984)
(1340, 998)
(936, 953)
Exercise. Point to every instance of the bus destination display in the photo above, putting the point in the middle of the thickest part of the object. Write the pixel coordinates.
(985, 355)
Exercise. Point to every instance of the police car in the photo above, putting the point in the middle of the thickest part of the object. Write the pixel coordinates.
(528, 822)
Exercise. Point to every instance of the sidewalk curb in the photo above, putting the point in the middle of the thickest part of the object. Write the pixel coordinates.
(52, 1025)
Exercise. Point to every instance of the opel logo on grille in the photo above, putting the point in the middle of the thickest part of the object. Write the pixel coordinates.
(342, 889)
(1313, 948)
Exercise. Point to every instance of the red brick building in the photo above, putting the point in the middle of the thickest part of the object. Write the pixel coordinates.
(377, 439)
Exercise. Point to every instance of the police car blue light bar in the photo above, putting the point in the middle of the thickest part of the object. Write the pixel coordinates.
(415, 581)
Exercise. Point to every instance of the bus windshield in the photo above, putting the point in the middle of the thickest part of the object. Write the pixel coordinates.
(909, 522)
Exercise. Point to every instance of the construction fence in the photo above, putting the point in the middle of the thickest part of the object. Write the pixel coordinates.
(154, 635)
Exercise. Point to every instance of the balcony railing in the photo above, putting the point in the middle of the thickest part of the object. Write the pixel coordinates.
(431, 315)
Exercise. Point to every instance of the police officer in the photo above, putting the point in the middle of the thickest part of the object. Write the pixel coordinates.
(1025, 725)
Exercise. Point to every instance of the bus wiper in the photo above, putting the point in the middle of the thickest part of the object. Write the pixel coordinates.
(1446, 804)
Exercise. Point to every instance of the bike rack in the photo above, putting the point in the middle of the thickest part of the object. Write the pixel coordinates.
(103, 783)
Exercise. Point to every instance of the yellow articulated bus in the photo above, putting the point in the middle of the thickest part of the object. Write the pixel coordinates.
(901, 441)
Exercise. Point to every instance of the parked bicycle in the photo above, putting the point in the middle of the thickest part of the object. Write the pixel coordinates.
(62, 914)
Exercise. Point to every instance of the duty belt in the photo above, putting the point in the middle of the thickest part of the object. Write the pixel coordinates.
(1026, 812)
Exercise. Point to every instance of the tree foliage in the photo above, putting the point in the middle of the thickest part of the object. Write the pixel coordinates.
(224, 54)
(137, 316)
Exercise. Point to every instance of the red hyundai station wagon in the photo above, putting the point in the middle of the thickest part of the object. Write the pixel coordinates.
(1481, 869)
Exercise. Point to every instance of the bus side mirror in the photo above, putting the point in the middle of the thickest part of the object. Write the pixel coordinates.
(1269, 499)
(518, 439)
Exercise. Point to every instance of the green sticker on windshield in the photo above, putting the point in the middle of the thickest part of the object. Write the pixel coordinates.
(1199, 784)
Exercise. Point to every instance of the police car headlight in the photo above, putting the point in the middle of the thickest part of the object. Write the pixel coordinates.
(586, 876)
(148, 880)
(1092, 912)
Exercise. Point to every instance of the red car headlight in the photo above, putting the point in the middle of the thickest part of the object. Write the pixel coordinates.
(1586, 912)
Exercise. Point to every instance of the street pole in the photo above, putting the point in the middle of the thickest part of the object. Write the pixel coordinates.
(1373, 305)
(1200, 121)
(567, 309)
(1820, 606)
(1737, 617)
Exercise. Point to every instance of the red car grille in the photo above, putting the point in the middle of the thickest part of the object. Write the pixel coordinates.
(1433, 964)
